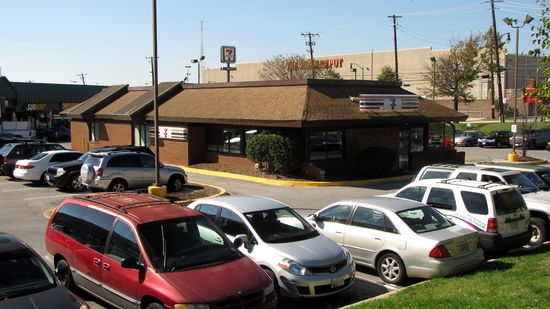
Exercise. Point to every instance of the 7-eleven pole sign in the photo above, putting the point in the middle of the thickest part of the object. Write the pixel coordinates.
(228, 54)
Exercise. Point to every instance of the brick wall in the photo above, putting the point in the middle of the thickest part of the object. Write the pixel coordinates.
(476, 109)
(79, 135)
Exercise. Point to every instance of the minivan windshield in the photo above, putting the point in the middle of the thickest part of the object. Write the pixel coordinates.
(186, 243)
(23, 273)
(280, 225)
(424, 219)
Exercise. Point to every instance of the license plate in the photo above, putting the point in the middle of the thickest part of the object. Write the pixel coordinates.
(514, 225)
(337, 283)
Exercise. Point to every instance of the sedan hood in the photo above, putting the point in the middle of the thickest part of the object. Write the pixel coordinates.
(57, 297)
(313, 252)
(207, 285)
(76, 164)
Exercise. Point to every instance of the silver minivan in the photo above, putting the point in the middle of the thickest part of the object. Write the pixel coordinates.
(301, 262)
(120, 171)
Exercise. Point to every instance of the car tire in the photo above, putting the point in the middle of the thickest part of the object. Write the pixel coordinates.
(175, 184)
(391, 269)
(468, 144)
(539, 231)
(63, 273)
(271, 275)
(74, 183)
(118, 185)
(498, 145)
(43, 179)
(155, 306)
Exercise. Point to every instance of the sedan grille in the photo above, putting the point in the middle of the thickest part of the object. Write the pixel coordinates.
(328, 269)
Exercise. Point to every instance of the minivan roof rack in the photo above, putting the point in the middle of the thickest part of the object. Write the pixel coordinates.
(122, 201)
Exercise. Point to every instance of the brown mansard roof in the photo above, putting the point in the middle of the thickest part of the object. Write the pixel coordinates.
(127, 98)
(89, 107)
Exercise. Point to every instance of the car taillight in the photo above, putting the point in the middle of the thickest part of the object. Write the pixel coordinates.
(440, 252)
(492, 225)
(99, 172)
(5, 160)
(24, 167)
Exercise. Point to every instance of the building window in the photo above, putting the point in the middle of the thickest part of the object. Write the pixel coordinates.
(417, 139)
(228, 140)
(326, 145)
(440, 135)
(141, 135)
(94, 131)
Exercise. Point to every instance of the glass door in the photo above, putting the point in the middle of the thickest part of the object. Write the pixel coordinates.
(404, 149)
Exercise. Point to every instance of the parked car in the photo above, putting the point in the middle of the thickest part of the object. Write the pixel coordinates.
(36, 168)
(496, 211)
(60, 134)
(468, 138)
(66, 175)
(301, 262)
(496, 139)
(26, 282)
(399, 238)
(138, 251)
(539, 175)
(120, 171)
(10, 153)
(534, 138)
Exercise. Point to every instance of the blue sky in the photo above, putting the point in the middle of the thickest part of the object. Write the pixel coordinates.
(53, 41)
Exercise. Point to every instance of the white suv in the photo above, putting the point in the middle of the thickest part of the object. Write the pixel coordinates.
(497, 212)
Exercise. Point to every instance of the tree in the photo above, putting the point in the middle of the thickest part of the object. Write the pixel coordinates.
(457, 70)
(387, 74)
(295, 67)
(541, 37)
(488, 65)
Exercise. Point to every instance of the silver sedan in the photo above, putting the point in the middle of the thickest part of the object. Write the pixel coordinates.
(399, 238)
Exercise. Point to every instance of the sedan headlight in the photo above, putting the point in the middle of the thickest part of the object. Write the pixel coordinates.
(60, 171)
(294, 267)
(191, 306)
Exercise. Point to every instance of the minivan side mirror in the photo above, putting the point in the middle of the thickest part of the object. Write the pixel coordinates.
(133, 264)
(240, 239)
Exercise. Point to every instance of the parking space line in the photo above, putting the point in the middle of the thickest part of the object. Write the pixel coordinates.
(25, 189)
(49, 196)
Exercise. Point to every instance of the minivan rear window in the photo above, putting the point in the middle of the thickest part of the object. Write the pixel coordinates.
(507, 202)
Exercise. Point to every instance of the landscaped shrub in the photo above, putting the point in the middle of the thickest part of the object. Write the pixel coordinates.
(275, 154)
(377, 162)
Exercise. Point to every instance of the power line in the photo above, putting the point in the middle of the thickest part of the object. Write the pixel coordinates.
(448, 11)
(82, 77)
(310, 43)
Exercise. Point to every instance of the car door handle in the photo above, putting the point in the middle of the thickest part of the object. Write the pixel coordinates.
(377, 238)
(338, 232)
(97, 261)
(106, 266)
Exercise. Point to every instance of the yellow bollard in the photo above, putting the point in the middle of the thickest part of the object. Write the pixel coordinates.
(513, 157)
(157, 190)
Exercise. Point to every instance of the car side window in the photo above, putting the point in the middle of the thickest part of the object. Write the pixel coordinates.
(210, 211)
(490, 178)
(337, 214)
(441, 198)
(466, 175)
(67, 220)
(231, 223)
(96, 227)
(123, 243)
(147, 161)
(124, 161)
(475, 203)
(369, 218)
(413, 193)
(62, 157)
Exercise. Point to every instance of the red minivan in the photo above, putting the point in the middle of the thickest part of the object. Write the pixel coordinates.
(137, 251)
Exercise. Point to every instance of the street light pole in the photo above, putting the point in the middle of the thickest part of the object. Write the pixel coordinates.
(155, 94)
(514, 24)
(198, 62)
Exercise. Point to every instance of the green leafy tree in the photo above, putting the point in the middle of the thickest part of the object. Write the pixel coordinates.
(291, 67)
(456, 70)
(387, 74)
(541, 37)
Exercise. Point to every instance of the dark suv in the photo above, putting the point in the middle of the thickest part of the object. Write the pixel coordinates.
(496, 139)
(10, 153)
(138, 251)
(66, 175)
(27, 282)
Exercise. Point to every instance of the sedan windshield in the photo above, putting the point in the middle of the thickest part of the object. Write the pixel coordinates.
(424, 219)
(523, 183)
(186, 243)
(39, 156)
(280, 225)
(22, 273)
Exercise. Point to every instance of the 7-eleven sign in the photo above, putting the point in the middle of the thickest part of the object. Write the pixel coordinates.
(228, 54)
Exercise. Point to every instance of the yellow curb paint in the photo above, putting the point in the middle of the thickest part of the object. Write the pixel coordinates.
(534, 162)
(296, 183)
(222, 192)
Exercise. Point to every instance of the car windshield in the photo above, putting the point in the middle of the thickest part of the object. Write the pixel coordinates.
(186, 243)
(39, 156)
(23, 273)
(523, 184)
(424, 219)
(280, 225)
(5, 149)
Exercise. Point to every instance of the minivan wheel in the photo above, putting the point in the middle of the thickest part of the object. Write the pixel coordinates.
(74, 183)
(63, 272)
(539, 231)
(155, 306)
(118, 186)
(391, 269)
(176, 184)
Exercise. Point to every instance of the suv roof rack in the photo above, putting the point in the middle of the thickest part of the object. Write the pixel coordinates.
(123, 201)
(466, 182)
(450, 165)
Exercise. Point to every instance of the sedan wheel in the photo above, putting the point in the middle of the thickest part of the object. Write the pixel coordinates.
(391, 269)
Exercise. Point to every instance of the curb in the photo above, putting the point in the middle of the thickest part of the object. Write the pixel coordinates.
(296, 183)
(383, 296)
(533, 162)
(222, 192)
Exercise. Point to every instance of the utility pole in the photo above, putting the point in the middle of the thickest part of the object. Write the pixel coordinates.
(310, 43)
(497, 63)
(395, 43)
(82, 77)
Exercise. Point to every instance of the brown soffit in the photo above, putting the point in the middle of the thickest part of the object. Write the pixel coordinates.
(87, 108)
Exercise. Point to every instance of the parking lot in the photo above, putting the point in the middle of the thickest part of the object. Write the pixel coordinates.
(25, 205)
